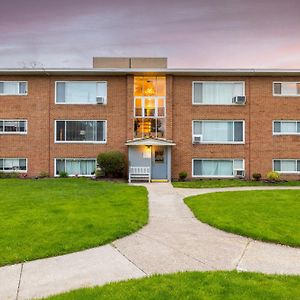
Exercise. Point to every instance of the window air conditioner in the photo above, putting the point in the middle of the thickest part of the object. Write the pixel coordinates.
(197, 139)
(239, 173)
(239, 100)
(100, 100)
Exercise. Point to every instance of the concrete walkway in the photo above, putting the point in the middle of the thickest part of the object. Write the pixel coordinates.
(172, 241)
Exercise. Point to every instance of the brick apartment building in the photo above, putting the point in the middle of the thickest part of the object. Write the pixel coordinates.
(207, 122)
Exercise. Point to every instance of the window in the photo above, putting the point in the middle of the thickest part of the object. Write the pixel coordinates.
(220, 132)
(13, 164)
(286, 165)
(80, 131)
(149, 106)
(80, 92)
(217, 167)
(76, 166)
(13, 127)
(217, 92)
(286, 127)
(286, 89)
(8, 88)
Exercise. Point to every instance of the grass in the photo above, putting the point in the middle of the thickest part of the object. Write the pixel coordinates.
(194, 285)
(48, 217)
(271, 215)
(222, 183)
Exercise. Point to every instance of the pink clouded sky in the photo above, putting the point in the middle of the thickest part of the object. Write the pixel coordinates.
(191, 33)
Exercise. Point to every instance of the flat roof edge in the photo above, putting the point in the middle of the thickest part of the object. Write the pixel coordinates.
(183, 72)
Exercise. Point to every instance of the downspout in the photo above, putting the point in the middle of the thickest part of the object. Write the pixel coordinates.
(249, 128)
(49, 121)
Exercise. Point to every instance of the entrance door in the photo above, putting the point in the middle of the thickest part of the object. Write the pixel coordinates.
(159, 165)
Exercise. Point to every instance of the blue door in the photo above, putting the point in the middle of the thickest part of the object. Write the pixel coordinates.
(159, 162)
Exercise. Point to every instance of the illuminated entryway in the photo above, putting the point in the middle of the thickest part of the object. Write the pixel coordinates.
(149, 159)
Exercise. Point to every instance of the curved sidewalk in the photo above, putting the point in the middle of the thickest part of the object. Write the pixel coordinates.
(174, 240)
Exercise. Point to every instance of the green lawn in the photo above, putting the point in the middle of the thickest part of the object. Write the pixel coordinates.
(194, 285)
(221, 183)
(264, 215)
(48, 217)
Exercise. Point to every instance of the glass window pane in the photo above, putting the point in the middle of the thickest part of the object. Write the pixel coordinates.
(60, 92)
(150, 86)
(87, 167)
(80, 92)
(288, 166)
(289, 127)
(22, 88)
(60, 130)
(161, 86)
(220, 92)
(11, 88)
(197, 167)
(73, 167)
(1, 87)
(198, 90)
(298, 127)
(238, 164)
(138, 128)
(22, 126)
(60, 166)
(149, 107)
(22, 163)
(216, 168)
(277, 165)
(101, 131)
(277, 88)
(217, 131)
(238, 132)
(289, 88)
(138, 107)
(298, 166)
(197, 127)
(138, 86)
(1, 126)
(277, 126)
(298, 88)
(101, 89)
(1, 164)
(160, 128)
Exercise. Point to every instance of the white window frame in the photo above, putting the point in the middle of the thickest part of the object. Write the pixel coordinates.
(285, 133)
(284, 95)
(156, 107)
(17, 132)
(74, 158)
(216, 81)
(17, 171)
(80, 81)
(222, 159)
(16, 81)
(283, 159)
(220, 143)
(80, 142)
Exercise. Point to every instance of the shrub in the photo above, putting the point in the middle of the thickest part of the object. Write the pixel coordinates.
(43, 174)
(4, 175)
(256, 176)
(63, 174)
(182, 175)
(112, 163)
(274, 176)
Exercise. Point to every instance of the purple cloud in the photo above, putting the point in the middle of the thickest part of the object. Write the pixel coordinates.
(212, 33)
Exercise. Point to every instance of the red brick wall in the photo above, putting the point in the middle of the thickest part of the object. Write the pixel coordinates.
(40, 110)
(260, 110)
